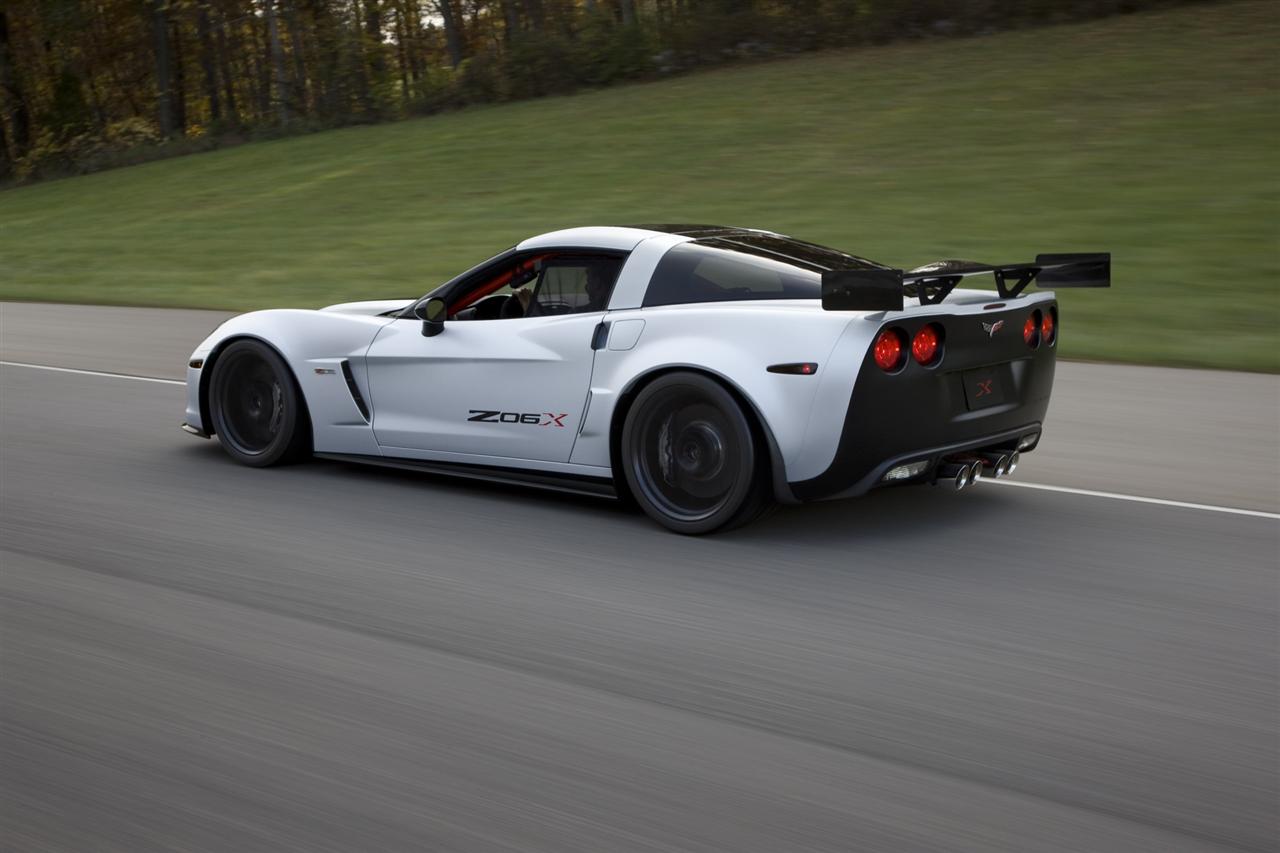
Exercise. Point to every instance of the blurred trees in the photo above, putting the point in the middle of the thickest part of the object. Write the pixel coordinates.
(88, 84)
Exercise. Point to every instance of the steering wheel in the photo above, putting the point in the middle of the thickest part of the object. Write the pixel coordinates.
(490, 308)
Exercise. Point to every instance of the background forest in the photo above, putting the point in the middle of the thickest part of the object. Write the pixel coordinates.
(985, 129)
(89, 84)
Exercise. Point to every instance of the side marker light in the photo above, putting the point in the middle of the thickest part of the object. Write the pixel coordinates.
(802, 368)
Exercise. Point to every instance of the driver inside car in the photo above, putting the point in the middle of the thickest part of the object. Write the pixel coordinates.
(595, 287)
(539, 289)
(524, 295)
(597, 290)
(517, 304)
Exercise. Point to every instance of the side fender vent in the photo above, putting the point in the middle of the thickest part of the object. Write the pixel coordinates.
(355, 390)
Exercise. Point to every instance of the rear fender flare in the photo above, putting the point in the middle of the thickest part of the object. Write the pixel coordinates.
(777, 469)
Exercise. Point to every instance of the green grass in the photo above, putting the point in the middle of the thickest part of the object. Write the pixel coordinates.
(1153, 136)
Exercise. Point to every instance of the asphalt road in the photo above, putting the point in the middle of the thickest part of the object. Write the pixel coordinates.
(200, 656)
(1193, 435)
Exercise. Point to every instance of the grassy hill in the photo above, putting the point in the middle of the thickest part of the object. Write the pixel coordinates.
(1153, 136)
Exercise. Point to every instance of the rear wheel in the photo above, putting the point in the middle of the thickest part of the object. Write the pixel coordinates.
(255, 405)
(690, 456)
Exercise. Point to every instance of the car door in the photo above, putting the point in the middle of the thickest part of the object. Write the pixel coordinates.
(512, 388)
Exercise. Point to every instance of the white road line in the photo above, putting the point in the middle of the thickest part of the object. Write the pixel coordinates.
(93, 373)
(1019, 483)
(1133, 498)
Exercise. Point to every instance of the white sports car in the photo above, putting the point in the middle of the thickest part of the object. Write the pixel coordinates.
(704, 372)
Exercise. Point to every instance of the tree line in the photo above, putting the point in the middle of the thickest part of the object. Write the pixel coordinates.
(89, 84)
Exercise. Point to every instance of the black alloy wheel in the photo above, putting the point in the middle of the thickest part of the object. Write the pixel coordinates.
(255, 405)
(690, 456)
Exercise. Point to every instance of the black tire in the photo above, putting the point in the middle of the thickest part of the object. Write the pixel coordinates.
(690, 456)
(257, 410)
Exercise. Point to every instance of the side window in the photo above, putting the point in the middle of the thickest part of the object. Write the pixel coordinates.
(573, 285)
(704, 272)
(492, 292)
(538, 286)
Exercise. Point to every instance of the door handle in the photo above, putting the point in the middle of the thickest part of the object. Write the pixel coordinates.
(601, 336)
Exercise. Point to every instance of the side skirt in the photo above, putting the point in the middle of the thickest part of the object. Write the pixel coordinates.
(599, 487)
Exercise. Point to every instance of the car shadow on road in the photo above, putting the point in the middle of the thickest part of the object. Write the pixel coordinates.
(892, 515)
(893, 519)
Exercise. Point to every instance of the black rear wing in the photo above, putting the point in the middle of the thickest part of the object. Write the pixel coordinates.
(886, 289)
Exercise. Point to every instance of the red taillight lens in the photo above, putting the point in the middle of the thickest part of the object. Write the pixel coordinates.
(926, 346)
(889, 349)
(1031, 329)
(1048, 326)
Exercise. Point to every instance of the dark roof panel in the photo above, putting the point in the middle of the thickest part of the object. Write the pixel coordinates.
(768, 244)
(788, 250)
(687, 230)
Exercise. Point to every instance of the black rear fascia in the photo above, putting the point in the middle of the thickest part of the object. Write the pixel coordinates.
(920, 412)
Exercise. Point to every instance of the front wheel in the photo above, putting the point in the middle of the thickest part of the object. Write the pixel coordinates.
(256, 407)
(690, 457)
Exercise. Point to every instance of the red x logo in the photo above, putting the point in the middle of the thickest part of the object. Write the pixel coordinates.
(558, 420)
(984, 388)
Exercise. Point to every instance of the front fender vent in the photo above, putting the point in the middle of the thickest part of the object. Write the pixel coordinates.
(355, 390)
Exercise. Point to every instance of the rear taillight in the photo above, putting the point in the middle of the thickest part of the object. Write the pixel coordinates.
(890, 349)
(1049, 326)
(926, 346)
(1031, 329)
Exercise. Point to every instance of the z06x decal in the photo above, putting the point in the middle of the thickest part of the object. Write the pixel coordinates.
(493, 416)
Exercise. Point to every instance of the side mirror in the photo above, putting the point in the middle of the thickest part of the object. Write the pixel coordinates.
(432, 314)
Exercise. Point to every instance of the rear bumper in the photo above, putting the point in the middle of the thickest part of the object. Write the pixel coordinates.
(1023, 439)
(921, 414)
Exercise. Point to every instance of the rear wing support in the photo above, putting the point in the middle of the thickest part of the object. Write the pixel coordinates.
(886, 289)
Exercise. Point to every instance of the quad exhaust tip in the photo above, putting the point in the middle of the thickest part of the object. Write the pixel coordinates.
(963, 471)
(961, 474)
(996, 464)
